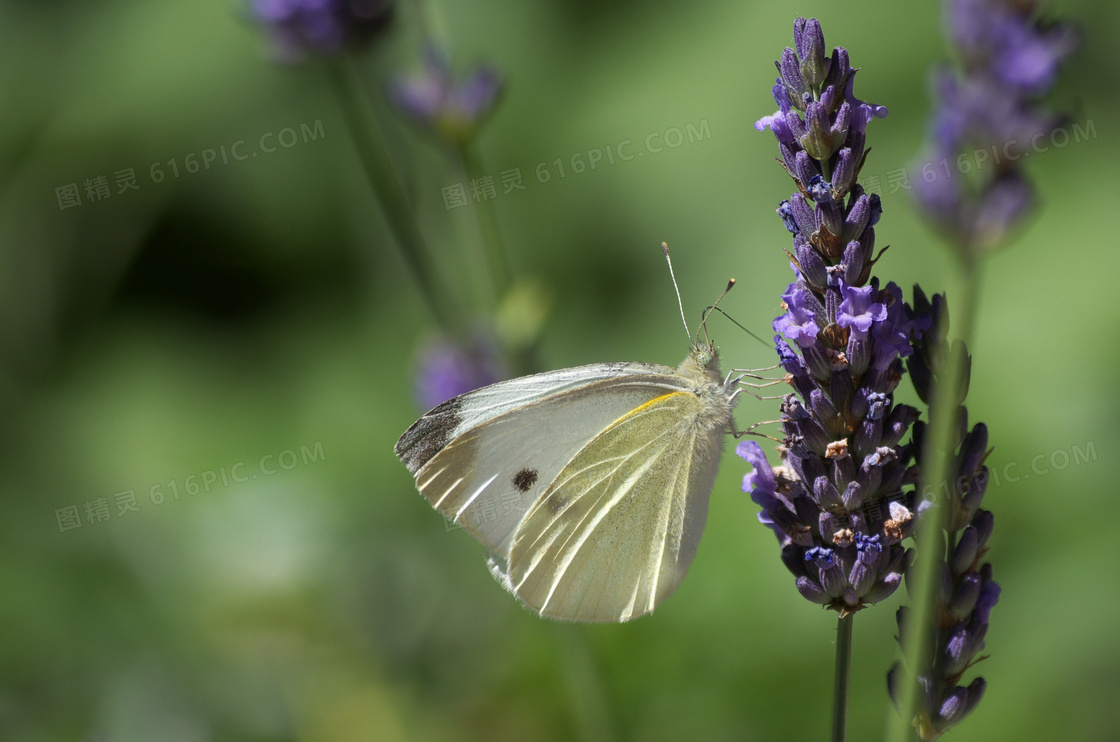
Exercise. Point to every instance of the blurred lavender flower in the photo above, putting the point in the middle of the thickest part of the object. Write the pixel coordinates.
(301, 28)
(450, 368)
(837, 502)
(988, 118)
(1008, 61)
(435, 101)
(966, 592)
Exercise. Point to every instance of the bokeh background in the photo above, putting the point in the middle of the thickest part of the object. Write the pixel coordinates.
(254, 313)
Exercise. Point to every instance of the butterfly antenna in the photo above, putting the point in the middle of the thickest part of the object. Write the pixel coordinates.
(741, 327)
(714, 307)
(680, 304)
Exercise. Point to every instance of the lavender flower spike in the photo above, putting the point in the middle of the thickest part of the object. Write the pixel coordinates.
(837, 503)
(968, 593)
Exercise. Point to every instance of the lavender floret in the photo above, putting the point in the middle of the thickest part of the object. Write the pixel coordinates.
(324, 28)
(433, 99)
(450, 368)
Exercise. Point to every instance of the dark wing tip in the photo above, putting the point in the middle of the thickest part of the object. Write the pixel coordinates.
(427, 436)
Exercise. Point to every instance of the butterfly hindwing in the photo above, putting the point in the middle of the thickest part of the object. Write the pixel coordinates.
(616, 531)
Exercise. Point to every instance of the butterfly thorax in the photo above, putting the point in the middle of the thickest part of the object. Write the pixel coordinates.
(701, 366)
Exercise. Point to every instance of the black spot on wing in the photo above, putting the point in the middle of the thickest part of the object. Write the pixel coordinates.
(427, 436)
(525, 479)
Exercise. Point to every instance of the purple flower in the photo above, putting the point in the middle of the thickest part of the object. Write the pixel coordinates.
(449, 368)
(809, 40)
(967, 592)
(893, 334)
(844, 463)
(760, 483)
(760, 479)
(1001, 37)
(300, 28)
(435, 101)
(989, 109)
(859, 310)
(799, 322)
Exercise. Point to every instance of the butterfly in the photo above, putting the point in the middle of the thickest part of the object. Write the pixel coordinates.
(588, 486)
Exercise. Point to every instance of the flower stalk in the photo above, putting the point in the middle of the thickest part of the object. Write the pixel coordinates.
(469, 350)
(935, 535)
(499, 273)
(842, 678)
(369, 141)
(452, 111)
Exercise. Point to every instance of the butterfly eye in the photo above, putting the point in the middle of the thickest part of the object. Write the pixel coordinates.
(704, 355)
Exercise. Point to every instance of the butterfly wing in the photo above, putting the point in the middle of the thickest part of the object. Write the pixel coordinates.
(484, 458)
(616, 531)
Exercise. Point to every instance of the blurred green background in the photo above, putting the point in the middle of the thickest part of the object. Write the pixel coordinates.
(254, 313)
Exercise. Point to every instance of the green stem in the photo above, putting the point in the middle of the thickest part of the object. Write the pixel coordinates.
(937, 461)
(497, 273)
(843, 674)
(369, 141)
(518, 356)
(590, 708)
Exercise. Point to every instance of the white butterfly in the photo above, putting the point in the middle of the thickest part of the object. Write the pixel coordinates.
(589, 486)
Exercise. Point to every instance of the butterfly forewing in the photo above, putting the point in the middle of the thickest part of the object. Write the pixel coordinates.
(617, 530)
(488, 476)
(443, 423)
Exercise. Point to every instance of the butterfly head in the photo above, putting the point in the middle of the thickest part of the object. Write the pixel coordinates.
(702, 362)
(704, 354)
